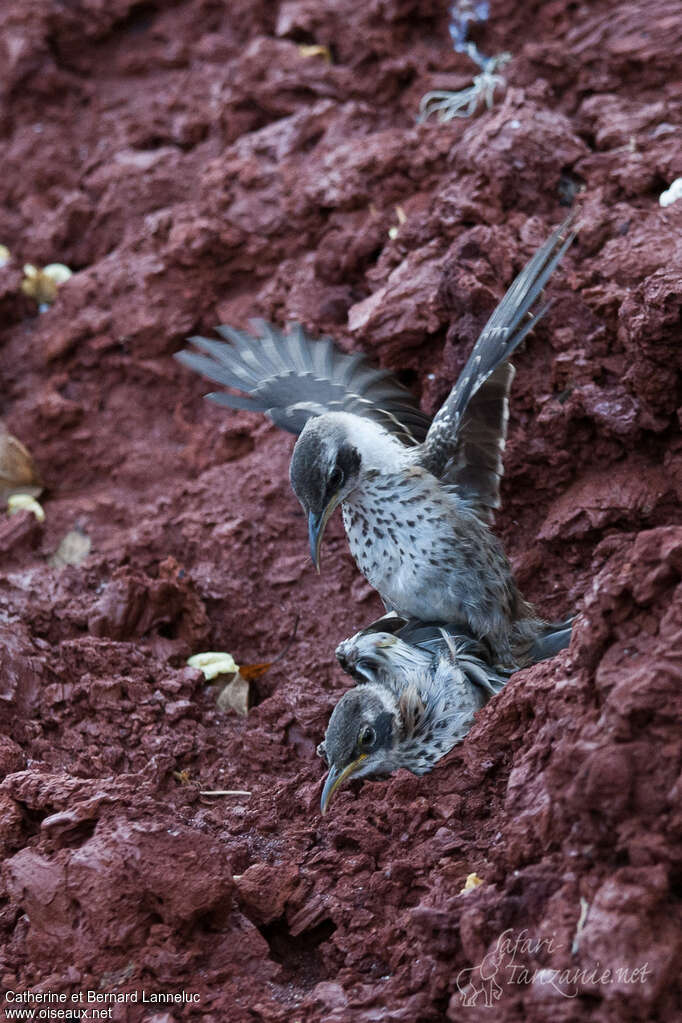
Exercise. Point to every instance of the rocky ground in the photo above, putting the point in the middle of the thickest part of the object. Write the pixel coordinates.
(194, 165)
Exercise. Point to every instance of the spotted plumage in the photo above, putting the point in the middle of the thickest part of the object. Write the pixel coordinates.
(419, 688)
(424, 493)
(414, 703)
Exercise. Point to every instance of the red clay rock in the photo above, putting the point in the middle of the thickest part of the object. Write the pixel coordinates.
(193, 166)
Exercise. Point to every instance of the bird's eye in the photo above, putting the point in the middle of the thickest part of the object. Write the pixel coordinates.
(367, 736)
(336, 479)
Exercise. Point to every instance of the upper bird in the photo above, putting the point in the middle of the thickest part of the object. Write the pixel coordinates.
(418, 497)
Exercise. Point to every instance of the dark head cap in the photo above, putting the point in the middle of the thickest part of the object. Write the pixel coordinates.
(362, 734)
(324, 462)
(324, 469)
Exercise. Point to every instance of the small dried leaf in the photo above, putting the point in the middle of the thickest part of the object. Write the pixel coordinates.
(42, 284)
(24, 502)
(472, 881)
(18, 474)
(214, 663)
(73, 549)
(235, 695)
(59, 272)
(314, 50)
(5, 255)
(394, 231)
(182, 776)
(251, 672)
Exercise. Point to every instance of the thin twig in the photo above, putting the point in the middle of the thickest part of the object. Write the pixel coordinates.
(289, 643)
(225, 792)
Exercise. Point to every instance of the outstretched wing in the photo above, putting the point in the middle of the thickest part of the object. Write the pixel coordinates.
(476, 464)
(291, 377)
(466, 439)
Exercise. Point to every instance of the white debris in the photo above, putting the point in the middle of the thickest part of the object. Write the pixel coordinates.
(672, 194)
(24, 502)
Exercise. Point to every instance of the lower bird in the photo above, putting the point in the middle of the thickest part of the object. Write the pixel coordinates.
(418, 497)
(420, 687)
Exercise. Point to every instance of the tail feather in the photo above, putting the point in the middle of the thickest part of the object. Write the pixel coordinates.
(534, 640)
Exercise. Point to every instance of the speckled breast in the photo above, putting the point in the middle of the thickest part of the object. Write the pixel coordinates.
(403, 541)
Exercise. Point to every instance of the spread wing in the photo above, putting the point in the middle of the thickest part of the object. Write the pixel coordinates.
(291, 377)
(466, 439)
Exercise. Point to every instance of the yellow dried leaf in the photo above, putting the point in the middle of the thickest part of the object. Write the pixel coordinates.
(313, 50)
(472, 881)
(58, 272)
(18, 474)
(42, 284)
(5, 255)
(24, 502)
(214, 663)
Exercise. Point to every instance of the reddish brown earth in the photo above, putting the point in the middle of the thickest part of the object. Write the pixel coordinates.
(193, 168)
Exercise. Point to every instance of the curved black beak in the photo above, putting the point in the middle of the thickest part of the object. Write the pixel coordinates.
(316, 527)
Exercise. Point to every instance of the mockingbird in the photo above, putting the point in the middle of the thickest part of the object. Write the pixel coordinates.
(418, 497)
(420, 687)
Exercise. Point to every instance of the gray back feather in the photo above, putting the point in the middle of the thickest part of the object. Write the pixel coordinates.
(467, 652)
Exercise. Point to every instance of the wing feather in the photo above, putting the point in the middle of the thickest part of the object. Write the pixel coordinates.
(291, 377)
(466, 439)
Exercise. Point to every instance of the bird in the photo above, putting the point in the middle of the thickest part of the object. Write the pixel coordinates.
(417, 698)
(419, 687)
(418, 496)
